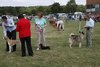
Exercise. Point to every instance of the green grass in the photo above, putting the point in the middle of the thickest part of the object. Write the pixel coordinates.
(60, 54)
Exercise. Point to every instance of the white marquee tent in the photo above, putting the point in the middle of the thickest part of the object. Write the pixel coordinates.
(25, 3)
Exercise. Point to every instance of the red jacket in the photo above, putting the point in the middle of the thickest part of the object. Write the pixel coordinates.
(23, 27)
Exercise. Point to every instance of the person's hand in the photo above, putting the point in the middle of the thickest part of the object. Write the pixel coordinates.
(45, 25)
(5, 25)
(39, 27)
(5, 37)
(15, 23)
(85, 26)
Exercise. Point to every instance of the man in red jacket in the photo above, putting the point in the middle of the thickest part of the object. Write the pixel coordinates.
(23, 27)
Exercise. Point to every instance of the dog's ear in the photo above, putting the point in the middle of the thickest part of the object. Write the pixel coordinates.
(83, 33)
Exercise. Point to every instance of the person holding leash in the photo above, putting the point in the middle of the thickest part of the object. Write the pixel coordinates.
(23, 27)
(89, 27)
(40, 24)
(9, 29)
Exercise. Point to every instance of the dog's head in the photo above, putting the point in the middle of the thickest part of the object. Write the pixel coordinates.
(81, 32)
(72, 34)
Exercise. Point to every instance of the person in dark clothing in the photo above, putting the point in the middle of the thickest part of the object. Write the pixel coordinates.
(23, 27)
(80, 18)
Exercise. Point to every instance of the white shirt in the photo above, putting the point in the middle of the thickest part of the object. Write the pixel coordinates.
(90, 23)
(59, 22)
(8, 26)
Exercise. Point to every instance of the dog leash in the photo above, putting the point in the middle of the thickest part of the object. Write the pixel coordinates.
(80, 28)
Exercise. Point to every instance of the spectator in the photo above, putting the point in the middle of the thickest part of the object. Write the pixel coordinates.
(23, 27)
(9, 31)
(40, 24)
(80, 18)
(89, 26)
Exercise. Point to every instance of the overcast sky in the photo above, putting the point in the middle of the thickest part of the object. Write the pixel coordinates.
(63, 2)
(36, 2)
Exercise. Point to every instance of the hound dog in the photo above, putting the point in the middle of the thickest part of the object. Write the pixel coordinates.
(10, 43)
(76, 38)
(53, 23)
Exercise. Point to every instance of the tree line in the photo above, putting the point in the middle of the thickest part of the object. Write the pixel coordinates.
(70, 7)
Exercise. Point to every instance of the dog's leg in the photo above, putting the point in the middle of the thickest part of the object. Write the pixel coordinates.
(70, 45)
(63, 26)
(70, 41)
(10, 49)
(80, 45)
(60, 27)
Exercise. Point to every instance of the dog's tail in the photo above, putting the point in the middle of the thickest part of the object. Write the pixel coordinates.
(71, 34)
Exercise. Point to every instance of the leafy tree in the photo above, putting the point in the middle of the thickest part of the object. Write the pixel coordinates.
(25, 10)
(71, 7)
(40, 8)
(81, 8)
(56, 8)
(33, 11)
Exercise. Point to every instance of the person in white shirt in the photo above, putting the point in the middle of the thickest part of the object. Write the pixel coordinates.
(9, 30)
(89, 27)
(60, 25)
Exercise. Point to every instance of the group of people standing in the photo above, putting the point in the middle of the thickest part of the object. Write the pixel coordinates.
(23, 27)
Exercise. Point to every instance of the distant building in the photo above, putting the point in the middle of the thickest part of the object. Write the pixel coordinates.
(93, 6)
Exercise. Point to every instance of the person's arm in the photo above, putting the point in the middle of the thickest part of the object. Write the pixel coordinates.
(4, 30)
(57, 22)
(87, 24)
(29, 24)
(35, 22)
(17, 27)
(92, 23)
(45, 23)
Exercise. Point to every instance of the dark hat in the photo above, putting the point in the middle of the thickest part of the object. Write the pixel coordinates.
(20, 16)
(4, 17)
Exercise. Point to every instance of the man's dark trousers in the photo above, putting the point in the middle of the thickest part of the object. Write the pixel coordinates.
(27, 41)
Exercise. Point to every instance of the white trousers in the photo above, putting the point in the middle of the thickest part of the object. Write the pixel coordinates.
(41, 38)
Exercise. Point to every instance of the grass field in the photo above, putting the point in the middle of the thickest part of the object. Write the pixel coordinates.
(60, 54)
